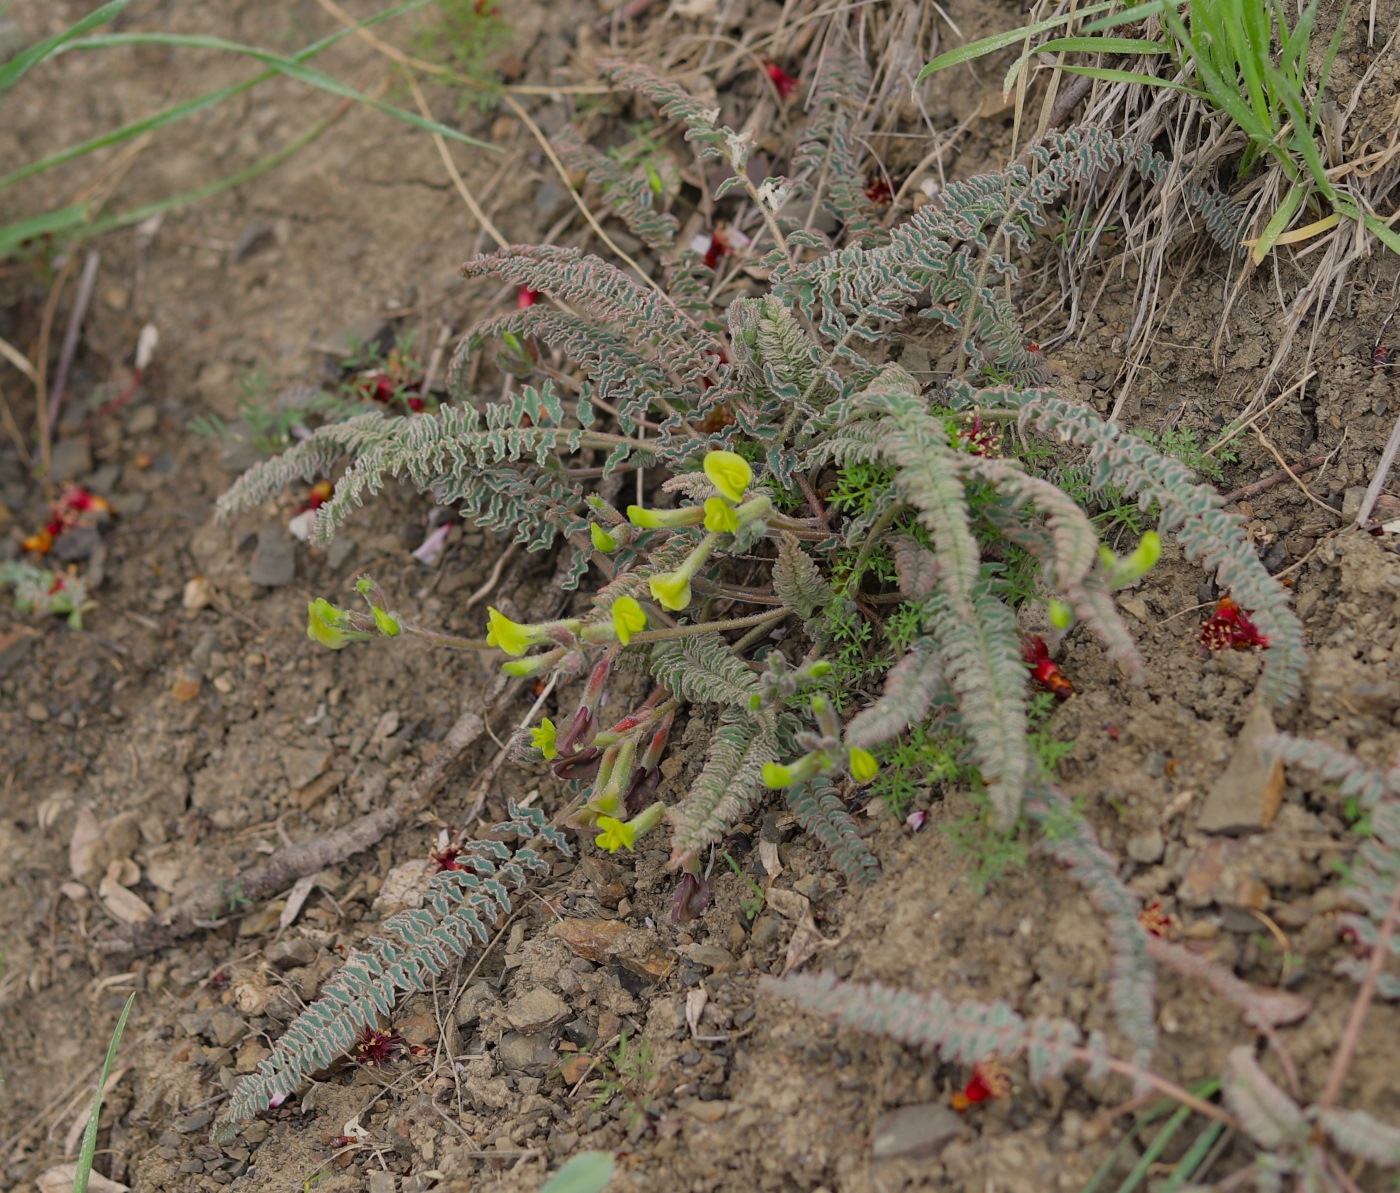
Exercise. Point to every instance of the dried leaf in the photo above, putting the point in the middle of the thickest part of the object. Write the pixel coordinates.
(59, 1179)
(86, 833)
(296, 900)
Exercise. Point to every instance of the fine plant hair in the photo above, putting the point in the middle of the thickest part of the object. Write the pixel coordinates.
(753, 593)
(462, 906)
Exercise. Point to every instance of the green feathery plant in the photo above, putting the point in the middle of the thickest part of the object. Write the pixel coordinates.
(462, 904)
(753, 418)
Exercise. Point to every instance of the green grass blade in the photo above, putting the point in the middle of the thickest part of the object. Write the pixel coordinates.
(1130, 16)
(89, 1148)
(1083, 45)
(1129, 76)
(1327, 60)
(999, 41)
(1225, 95)
(1278, 222)
(1294, 56)
(20, 64)
(51, 223)
(1251, 42)
(1302, 140)
(191, 106)
(290, 67)
(1103, 45)
(1186, 1167)
(1097, 1180)
(1382, 231)
(1155, 1149)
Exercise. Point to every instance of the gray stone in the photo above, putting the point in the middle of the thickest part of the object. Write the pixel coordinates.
(537, 1010)
(530, 1055)
(914, 1132)
(225, 1027)
(103, 481)
(132, 503)
(257, 234)
(142, 421)
(76, 543)
(1146, 848)
(241, 448)
(274, 561)
(302, 764)
(194, 1122)
(550, 200)
(382, 1182)
(475, 1001)
(289, 954)
(1246, 796)
(71, 459)
(711, 956)
(342, 548)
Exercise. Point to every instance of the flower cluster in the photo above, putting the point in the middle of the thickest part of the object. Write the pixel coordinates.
(74, 507)
(334, 627)
(825, 751)
(723, 514)
(989, 1080)
(1230, 628)
(1044, 670)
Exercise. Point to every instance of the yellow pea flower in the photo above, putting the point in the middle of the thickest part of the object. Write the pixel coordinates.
(509, 636)
(628, 618)
(729, 473)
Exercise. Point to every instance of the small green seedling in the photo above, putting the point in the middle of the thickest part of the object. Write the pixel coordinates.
(754, 903)
(89, 1148)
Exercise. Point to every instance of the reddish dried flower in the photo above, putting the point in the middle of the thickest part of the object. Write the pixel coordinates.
(1230, 628)
(525, 297)
(784, 82)
(447, 857)
(719, 247)
(319, 495)
(1112, 730)
(39, 543)
(1157, 921)
(378, 1046)
(1044, 670)
(980, 440)
(397, 379)
(878, 191)
(989, 1080)
(66, 512)
(77, 499)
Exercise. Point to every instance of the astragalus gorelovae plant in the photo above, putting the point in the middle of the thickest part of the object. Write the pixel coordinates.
(757, 420)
